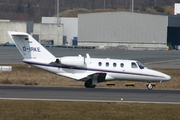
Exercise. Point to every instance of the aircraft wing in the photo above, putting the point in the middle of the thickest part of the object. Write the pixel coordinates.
(86, 76)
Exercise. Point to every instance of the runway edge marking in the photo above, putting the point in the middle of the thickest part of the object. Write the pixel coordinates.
(76, 100)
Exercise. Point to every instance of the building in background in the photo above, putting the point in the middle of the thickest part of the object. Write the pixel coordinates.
(7, 25)
(176, 8)
(70, 30)
(131, 30)
(124, 30)
(173, 34)
(49, 34)
(46, 34)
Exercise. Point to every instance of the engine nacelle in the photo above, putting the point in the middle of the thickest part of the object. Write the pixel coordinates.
(73, 61)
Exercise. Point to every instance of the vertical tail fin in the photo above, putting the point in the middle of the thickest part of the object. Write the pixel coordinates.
(29, 47)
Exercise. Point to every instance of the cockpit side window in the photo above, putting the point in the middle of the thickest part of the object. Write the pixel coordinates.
(141, 66)
(133, 65)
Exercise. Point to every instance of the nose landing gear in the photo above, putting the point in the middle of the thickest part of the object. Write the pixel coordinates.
(149, 86)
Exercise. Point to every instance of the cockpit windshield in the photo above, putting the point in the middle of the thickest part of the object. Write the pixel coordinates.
(141, 66)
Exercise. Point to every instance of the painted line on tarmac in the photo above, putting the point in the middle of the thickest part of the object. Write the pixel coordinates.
(163, 61)
(76, 100)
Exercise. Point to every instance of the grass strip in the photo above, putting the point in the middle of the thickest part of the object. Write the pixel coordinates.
(56, 110)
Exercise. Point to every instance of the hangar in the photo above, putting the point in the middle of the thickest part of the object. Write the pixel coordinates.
(126, 29)
(173, 33)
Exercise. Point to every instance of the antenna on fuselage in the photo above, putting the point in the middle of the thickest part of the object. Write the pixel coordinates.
(87, 55)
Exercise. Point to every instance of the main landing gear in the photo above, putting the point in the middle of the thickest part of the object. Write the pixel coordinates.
(91, 83)
(88, 84)
(149, 86)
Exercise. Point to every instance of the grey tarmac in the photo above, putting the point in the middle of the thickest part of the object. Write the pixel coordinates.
(85, 94)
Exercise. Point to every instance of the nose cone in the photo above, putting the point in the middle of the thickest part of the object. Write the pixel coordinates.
(161, 76)
(166, 77)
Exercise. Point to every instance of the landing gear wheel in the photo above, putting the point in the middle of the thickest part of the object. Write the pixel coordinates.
(89, 85)
(149, 86)
(93, 86)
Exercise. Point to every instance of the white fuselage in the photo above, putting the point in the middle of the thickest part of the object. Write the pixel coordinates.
(80, 67)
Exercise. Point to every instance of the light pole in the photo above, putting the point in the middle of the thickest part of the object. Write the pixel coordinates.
(132, 5)
(58, 12)
(58, 23)
(104, 4)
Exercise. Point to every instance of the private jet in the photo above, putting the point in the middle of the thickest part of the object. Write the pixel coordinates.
(90, 70)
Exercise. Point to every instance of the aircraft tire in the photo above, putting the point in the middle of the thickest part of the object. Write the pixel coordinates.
(93, 86)
(89, 85)
(149, 86)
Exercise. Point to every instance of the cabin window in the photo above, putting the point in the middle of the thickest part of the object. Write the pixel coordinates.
(107, 64)
(114, 64)
(100, 63)
(122, 65)
(133, 65)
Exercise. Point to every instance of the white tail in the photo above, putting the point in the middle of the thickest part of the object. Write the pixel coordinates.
(29, 47)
